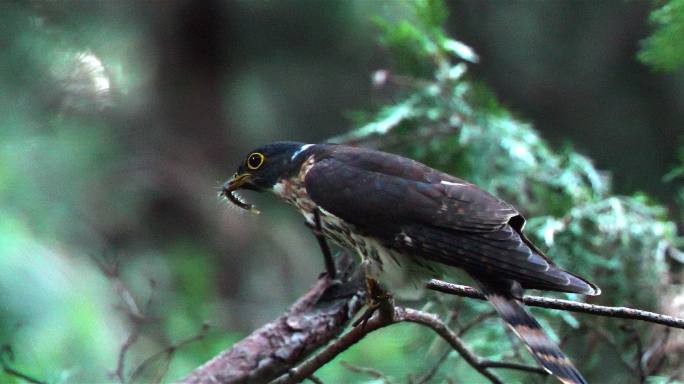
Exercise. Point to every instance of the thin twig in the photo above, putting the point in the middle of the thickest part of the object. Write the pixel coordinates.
(566, 305)
(654, 356)
(475, 321)
(516, 347)
(13, 372)
(433, 371)
(400, 315)
(6, 350)
(372, 372)
(456, 343)
(130, 307)
(130, 340)
(516, 366)
(452, 318)
(462, 330)
(639, 354)
(608, 339)
(168, 353)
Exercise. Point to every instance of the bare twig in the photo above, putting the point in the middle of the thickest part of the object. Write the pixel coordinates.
(136, 316)
(517, 348)
(639, 354)
(457, 344)
(400, 315)
(608, 339)
(566, 305)
(6, 351)
(452, 318)
(372, 372)
(656, 355)
(433, 371)
(516, 366)
(111, 270)
(120, 364)
(475, 321)
(167, 353)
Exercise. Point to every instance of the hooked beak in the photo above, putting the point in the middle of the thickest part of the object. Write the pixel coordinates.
(235, 182)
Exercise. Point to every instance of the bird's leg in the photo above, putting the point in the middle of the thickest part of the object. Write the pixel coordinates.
(377, 299)
(317, 230)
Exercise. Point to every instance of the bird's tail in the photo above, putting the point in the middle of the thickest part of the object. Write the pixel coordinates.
(544, 350)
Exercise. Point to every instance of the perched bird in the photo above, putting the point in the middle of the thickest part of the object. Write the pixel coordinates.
(408, 221)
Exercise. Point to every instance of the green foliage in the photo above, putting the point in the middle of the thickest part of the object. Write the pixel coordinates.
(418, 41)
(619, 241)
(664, 49)
(61, 155)
(676, 176)
(78, 179)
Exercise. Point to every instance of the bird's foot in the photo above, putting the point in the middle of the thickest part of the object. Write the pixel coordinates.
(384, 307)
(378, 300)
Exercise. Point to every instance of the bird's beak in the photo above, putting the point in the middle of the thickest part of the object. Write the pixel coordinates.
(236, 182)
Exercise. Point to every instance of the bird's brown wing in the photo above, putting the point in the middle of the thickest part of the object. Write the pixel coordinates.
(360, 184)
(408, 206)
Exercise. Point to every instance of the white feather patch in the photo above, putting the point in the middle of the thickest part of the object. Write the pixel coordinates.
(450, 183)
(300, 150)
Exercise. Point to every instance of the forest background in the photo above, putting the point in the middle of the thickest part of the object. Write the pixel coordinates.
(120, 121)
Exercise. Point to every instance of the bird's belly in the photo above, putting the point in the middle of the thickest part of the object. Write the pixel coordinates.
(394, 270)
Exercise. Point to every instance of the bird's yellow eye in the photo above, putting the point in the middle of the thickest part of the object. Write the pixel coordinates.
(255, 160)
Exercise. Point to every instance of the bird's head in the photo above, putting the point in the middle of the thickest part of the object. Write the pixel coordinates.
(263, 167)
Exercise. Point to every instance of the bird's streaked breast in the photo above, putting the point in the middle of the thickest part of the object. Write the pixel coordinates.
(393, 269)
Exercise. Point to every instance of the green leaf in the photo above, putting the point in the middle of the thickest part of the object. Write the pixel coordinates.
(664, 49)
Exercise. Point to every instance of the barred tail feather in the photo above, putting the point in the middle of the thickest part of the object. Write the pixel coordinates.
(544, 350)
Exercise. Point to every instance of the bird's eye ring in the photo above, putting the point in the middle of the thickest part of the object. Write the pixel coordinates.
(255, 160)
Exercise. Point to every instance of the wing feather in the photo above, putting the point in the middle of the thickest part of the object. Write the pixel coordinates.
(385, 186)
(506, 257)
(445, 219)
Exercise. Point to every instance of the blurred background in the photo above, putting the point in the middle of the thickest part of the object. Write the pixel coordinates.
(121, 119)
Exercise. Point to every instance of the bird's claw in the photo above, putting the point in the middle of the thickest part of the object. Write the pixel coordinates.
(367, 314)
(382, 303)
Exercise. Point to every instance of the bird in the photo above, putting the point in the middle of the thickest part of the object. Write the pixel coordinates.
(409, 222)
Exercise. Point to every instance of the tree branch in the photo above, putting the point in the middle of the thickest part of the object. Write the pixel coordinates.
(566, 305)
(323, 312)
(401, 314)
(315, 319)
